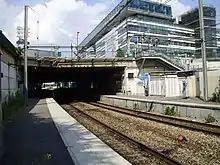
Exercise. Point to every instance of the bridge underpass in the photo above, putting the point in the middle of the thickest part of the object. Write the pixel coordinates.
(105, 75)
(88, 83)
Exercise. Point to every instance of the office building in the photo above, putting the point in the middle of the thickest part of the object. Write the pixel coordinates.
(191, 20)
(218, 41)
(140, 25)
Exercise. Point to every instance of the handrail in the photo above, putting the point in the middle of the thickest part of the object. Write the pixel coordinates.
(173, 61)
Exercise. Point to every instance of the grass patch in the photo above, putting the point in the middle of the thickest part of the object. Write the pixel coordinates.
(215, 97)
(170, 111)
(12, 105)
(210, 119)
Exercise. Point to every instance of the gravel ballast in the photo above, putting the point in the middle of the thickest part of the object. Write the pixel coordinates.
(129, 151)
(199, 149)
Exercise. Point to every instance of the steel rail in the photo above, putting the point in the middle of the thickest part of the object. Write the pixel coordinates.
(192, 125)
(144, 147)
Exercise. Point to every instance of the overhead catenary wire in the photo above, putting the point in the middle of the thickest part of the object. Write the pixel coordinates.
(28, 6)
(55, 27)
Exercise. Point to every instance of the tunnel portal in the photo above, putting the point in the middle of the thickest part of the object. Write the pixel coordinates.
(84, 83)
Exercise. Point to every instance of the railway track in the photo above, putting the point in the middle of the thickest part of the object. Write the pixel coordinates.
(166, 159)
(192, 125)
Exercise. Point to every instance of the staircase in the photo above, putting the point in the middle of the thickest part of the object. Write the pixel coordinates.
(165, 58)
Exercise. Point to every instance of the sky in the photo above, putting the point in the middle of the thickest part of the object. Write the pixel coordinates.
(60, 20)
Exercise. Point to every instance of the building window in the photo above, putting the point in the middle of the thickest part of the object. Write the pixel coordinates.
(130, 75)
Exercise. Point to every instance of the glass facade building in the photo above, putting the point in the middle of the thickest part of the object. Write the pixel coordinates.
(218, 41)
(153, 36)
(151, 7)
(191, 20)
(140, 25)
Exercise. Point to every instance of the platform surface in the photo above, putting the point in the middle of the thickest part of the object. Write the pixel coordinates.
(31, 138)
(84, 147)
(45, 134)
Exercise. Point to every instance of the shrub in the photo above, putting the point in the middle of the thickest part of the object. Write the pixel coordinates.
(170, 111)
(12, 105)
(120, 53)
(210, 119)
(216, 96)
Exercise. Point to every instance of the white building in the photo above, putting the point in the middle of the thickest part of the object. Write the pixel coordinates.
(218, 41)
(107, 45)
(137, 26)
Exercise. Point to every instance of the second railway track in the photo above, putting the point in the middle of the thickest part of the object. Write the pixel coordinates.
(193, 125)
(199, 149)
(164, 158)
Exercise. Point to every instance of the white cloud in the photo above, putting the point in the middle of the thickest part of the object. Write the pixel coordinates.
(60, 20)
(8, 15)
(178, 8)
(69, 16)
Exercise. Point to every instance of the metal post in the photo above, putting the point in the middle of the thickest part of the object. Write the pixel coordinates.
(127, 31)
(186, 62)
(203, 50)
(77, 43)
(37, 34)
(71, 50)
(25, 54)
(38, 37)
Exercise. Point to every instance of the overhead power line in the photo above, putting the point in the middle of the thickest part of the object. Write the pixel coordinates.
(55, 27)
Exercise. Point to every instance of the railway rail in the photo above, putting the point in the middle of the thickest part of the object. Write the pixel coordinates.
(193, 125)
(142, 146)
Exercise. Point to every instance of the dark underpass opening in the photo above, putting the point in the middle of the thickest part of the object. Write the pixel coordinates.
(74, 84)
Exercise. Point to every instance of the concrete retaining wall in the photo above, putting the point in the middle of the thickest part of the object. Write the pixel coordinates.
(183, 109)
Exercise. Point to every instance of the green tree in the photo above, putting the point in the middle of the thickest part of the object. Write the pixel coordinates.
(19, 53)
(120, 53)
(19, 50)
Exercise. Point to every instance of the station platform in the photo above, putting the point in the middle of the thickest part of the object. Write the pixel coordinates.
(171, 100)
(45, 134)
(190, 109)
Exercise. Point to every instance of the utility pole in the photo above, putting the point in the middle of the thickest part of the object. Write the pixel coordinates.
(77, 43)
(25, 54)
(186, 62)
(203, 50)
(127, 30)
(71, 50)
(38, 37)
